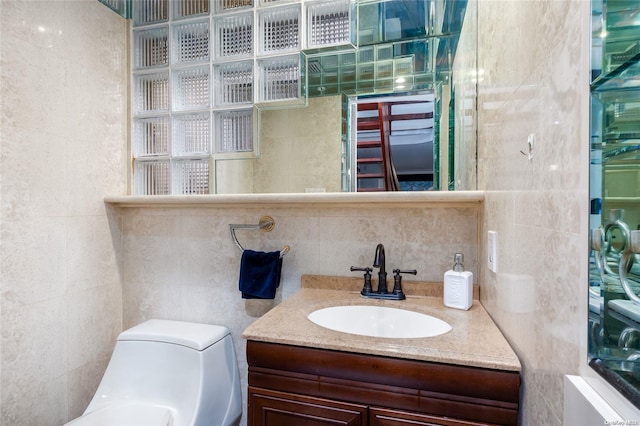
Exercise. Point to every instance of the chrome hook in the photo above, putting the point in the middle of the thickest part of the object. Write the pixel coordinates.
(530, 142)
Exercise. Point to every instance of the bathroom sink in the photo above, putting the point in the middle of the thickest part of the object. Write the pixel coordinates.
(379, 321)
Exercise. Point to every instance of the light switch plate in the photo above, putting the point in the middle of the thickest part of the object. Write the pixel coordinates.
(492, 251)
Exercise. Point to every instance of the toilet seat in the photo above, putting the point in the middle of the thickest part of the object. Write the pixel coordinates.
(126, 415)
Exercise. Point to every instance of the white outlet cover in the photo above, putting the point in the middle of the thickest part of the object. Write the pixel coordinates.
(492, 251)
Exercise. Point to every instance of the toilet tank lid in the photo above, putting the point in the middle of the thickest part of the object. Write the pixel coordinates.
(193, 335)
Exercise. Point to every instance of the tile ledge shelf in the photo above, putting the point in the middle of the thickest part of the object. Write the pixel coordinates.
(346, 199)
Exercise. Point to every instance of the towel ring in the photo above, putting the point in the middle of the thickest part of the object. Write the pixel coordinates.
(266, 224)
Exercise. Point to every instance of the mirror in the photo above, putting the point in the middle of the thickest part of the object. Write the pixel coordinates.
(311, 148)
(614, 263)
(392, 142)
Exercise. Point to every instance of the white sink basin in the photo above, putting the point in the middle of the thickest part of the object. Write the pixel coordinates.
(379, 321)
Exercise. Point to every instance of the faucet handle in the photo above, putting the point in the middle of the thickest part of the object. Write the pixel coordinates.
(397, 281)
(367, 278)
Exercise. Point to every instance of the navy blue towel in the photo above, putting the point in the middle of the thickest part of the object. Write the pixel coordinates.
(260, 274)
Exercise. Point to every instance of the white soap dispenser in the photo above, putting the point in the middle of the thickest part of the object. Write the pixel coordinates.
(458, 285)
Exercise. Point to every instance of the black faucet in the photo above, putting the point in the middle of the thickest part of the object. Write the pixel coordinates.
(382, 292)
(379, 262)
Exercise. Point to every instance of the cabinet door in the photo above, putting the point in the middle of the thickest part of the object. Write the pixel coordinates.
(386, 417)
(272, 408)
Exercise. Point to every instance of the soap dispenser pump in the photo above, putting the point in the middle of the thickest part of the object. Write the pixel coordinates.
(458, 285)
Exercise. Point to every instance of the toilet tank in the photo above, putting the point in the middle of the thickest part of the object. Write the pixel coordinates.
(189, 368)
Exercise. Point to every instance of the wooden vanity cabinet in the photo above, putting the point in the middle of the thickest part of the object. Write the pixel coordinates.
(299, 386)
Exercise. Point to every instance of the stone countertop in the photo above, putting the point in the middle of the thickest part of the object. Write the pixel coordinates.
(473, 341)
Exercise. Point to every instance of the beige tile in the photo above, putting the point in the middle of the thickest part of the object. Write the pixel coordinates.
(538, 206)
(94, 322)
(63, 129)
(91, 253)
(83, 382)
(33, 261)
(35, 402)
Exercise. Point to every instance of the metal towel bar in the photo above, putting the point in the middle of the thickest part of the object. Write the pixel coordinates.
(266, 224)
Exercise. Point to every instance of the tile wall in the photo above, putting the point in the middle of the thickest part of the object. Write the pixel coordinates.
(182, 264)
(535, 57)
(63, 132)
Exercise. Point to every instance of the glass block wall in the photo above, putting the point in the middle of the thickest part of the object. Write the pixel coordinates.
(402, 45)
(383, 68)
(201, 68)
(121, 7)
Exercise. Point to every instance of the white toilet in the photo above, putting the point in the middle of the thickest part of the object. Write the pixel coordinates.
(168, 373)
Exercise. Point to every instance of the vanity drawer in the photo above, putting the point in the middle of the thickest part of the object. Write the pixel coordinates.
(272, 408)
